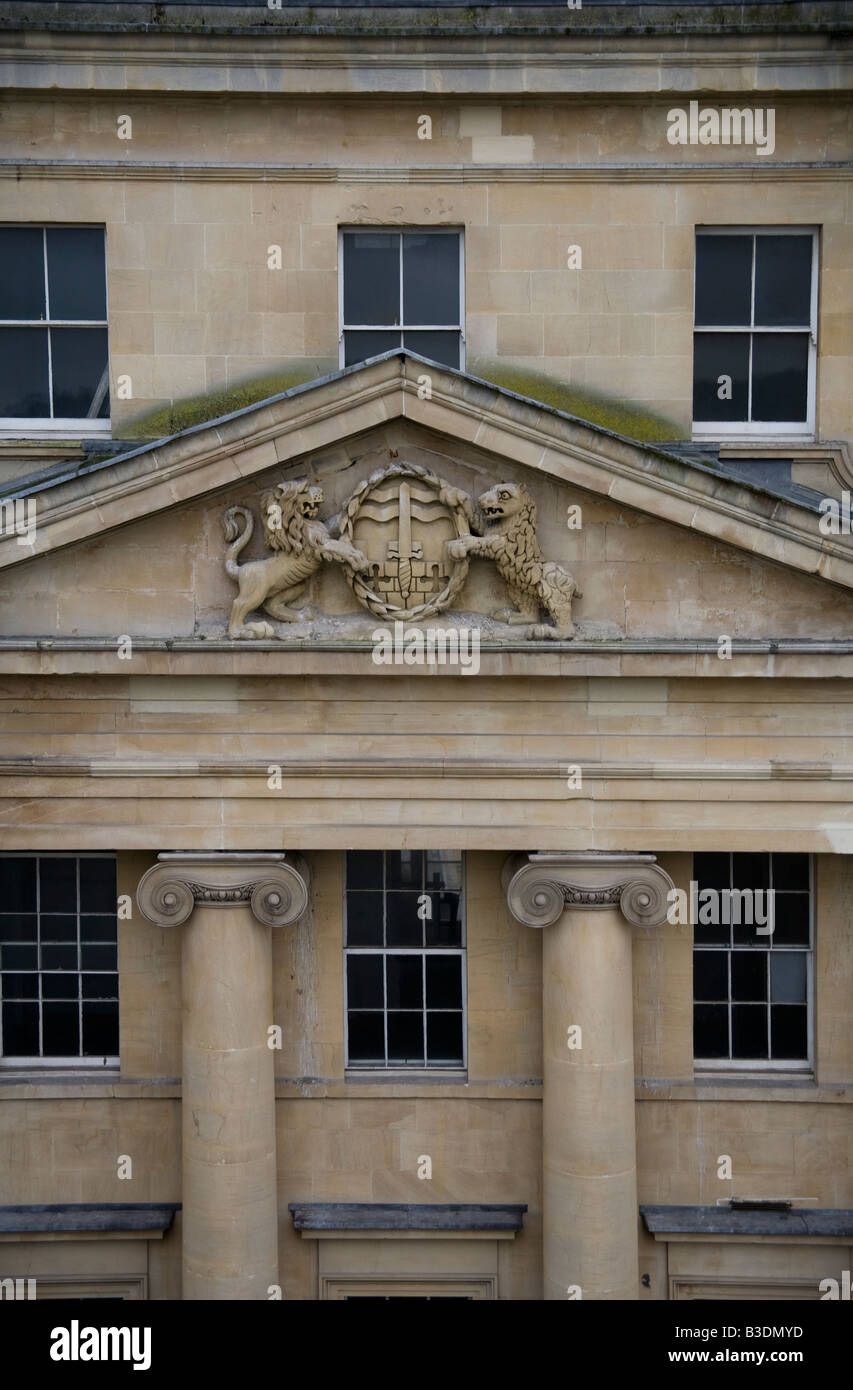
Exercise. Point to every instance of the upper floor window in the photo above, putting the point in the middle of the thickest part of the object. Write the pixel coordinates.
(54, 365)
(752, 961)
(401, 289)
(58, 959)
(755, 326)
(405, 959)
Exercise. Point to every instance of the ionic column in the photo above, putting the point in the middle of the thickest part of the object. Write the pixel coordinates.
(588, 902)
(230, 1209)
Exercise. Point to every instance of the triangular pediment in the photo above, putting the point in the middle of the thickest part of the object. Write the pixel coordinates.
(658, 544)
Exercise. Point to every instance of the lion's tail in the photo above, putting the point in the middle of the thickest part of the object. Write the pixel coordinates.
(237, 536)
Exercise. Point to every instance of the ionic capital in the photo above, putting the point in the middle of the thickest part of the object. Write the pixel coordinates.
(274, 887)
(540, 887)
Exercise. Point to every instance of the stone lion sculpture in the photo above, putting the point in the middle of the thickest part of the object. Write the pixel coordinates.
(504, 527)
(299, 542)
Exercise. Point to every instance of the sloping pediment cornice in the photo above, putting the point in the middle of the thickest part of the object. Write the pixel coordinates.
(76, 504)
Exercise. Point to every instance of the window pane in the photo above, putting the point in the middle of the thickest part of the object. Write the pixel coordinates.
(372, 278)
(21, 986)
(22, 274)
(444, 928)
(15, 926)
(366, 1037)
(19, 957)
(788, 977)
(80, 381)
(59, 957)
(60, 1030)
(430, 278)
(711, 1030)
(359, 346)
(98, 885)
(364, 868)
(791, 916)
(711, 870)
(21, 1030)
(18, 885)
(723, 280)
(58, 885)
(444, 982)
(405, 982)
(783, 281)
(76, 276)
(751, 870)
(406, 1038)
(780, 376)
(749, 1030)
(404, 868)
(710, 975)
(716, 356)
(438, 347)
(98, 986)
(749, 976)
(443, 869)
(24, 390)
(444, 1039)
(62, 985)
(100, 928)
(791, 872)
(364, 919)
(55, 927)
(99, 958)
(404, 926)
(100, 1030)
(789, 1032)
(364, 982)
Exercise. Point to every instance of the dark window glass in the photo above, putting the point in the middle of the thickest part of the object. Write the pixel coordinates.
(438, 347)
(791, 919)
(788, 977)
(712, 870)
(789, 1031)
(358, 347)
(780, 376)
(367, 1037)
(18, 885)
(58, 928)
(21, 273)
(364, 869)
(717, 355)
(99, 986)
(364, 919)
(15, 926)
(404, 926)
(75, 273)
(21, 1030)
(100, 958)
(60, 985)
(723, 280)
(430, 278)
(21, 986)
(364, 982)
(405, 982)
(711, 1030)
(98, 928)
(791, 872)
(444, 1038)
(749, 976)
(749, 1031)
(97, 885)
(58, 885)
(406, 1038)
(80, 376)
(444, 982)
(60, 1028)
(710, 975)
(444, 927)
(372, 278)
(19, 957)
(751, 870)
(443, 870)
(59, 957)
(100, 1030)
(783, 280)
(404, 869)
(24, 388)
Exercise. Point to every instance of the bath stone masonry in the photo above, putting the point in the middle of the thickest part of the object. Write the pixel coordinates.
(589, 902)
(230, 1210)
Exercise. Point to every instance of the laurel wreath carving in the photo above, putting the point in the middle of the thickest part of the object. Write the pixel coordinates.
(365, 595)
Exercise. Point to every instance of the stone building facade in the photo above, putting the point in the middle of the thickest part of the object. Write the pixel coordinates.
(426, 643)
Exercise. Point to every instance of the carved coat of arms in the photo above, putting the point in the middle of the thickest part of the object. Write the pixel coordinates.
(402, 518)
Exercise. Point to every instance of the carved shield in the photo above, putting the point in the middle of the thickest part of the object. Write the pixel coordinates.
(398, 519)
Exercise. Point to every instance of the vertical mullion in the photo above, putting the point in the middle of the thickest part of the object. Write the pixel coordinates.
(385, 957)
(38, 952)
(730, 953)
(752, 328)
(423, 1006)
(400, 267)
(47, 320)
(80, 963)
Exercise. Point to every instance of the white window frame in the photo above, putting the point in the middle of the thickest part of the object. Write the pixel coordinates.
(36, 427)
(749, 430)
(741, 1065)
(51, 1062)
(389, 1069)
(459, 233)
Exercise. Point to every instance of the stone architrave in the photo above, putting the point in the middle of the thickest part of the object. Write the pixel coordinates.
(229, 903)
(589, 903)
(403, 518)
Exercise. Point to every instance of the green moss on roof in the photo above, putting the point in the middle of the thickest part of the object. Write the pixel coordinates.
(195, 410)
(611, 412)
